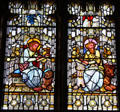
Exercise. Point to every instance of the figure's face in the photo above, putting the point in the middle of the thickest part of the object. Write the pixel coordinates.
(33, 46)
(90, 45)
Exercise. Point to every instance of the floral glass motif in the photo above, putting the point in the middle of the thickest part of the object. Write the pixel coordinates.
(29, 68)
(91, 67)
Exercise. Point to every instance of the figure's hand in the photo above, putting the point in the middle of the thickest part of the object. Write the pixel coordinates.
(38, 57)
(82, 61)
(85, 62)
(43, 60)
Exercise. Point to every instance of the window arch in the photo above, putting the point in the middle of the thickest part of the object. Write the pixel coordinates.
(30, 56)
(92, 67)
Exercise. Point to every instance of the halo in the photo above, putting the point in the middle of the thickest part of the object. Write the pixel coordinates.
(35, 40)
(90, 40)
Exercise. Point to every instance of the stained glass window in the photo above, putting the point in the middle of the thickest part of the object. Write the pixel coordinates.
(91, 61)
(29, 68)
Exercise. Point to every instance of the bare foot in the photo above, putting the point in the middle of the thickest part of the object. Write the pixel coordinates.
(49, 88)
(108, 88)
(38, 89)
(113, 87)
